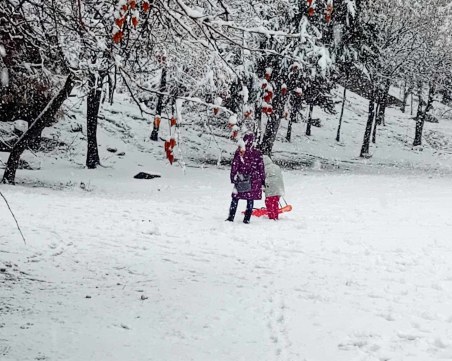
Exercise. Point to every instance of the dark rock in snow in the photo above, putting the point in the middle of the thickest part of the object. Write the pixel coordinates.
(144, 175)
(121, 154)
(76, 128)
(112, 150)
(24, 165)
(431, 119)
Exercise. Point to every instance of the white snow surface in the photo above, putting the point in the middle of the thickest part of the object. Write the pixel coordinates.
(122, 269)
(360, 270)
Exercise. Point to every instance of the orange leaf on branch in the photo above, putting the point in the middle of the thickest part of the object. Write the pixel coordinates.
(328, 12)
(157, 121)
(132, 4)
(267, 109)
(134, 21)
(268, 96)
(117, 37)
(173, 121)
(120, 22)
(248, 114)
(146, 6)
(284, 89)
(268, 74)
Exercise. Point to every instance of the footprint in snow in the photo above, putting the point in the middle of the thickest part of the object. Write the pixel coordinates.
(409, 336)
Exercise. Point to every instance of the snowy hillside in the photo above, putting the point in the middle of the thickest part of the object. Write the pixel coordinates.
(393, 149)
(124, 129)
(121, 269)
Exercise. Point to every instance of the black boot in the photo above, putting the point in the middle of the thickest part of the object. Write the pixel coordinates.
(249, 210)
(232, 210)
(247, 218)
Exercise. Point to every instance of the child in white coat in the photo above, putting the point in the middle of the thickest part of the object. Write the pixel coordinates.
(274, 187)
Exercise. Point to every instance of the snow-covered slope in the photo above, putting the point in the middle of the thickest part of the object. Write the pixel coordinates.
(121, 269)
(123, 127)
(149, 270)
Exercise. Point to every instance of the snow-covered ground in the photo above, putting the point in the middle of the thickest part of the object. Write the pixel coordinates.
(149, 270)
(121, 269)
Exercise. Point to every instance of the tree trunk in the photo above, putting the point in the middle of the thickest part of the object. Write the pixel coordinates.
(338, 135)
(404, 96)
(273, 123)
(308, 127)
(377, 115)
(411, 111)
(422, 115)
(447, 96)
(295, 105)
(111, 87)
(93, 105)
(35, 130)
(159, 106)
(418, 132)
(258, 117)
(367, 132)
(420, 100)
(270, 134)
(376, 122)
(292, 116)
(406, 92)
(384, 104)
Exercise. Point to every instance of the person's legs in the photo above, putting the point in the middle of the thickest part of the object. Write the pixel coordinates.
(272, 206)
(268, 206)
(232, 209)
(276, 207)
(249, 210)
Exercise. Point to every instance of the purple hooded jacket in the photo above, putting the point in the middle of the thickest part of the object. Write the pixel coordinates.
(252, 164)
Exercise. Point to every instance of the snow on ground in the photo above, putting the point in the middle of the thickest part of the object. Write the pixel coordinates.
(122, 269)
(149, 270)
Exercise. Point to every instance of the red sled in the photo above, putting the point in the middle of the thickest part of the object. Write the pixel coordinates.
(260, 212)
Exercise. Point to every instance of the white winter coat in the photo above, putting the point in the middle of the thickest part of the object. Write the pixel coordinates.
(274, 183)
